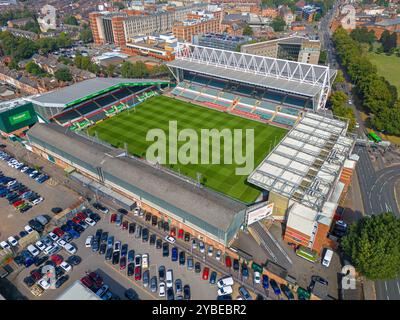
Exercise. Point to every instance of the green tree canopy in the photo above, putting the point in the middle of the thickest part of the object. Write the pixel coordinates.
(63, 74)
(86, 34)
(247, 30)
(34, 69)
(71, 20)
(278, 24)
(373, 243)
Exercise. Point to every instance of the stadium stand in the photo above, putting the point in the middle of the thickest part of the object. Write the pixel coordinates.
(284, 121)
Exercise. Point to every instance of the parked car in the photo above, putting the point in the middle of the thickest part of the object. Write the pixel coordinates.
(197, 267)
(174, 254)
(186, 292)
(287, 292)
(165, 248)
(161, 273)
(244, 293)
(275, 287)
(206, 272)
(213, 277)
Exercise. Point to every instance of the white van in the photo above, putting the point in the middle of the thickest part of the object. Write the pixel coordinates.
(169, 278)
(225, 282)
(327, 257)
(225, 290)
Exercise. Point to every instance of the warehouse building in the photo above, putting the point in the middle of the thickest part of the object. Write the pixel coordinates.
(207, 215)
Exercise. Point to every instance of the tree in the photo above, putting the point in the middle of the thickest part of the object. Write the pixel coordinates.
(34, 69)
(63, 74)
(247, 30)
(388, 41)
(363, 35)
(322, 57)
(278, 24)
(86, 34)
(373, 243)
(71, 20)
(339, 77)
(110, 70)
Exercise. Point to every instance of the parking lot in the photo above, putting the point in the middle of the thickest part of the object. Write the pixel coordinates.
(113, 276)
(54, 195)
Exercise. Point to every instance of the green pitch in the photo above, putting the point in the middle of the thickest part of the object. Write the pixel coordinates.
(131, 127)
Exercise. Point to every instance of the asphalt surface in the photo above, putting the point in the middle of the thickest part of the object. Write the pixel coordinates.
(378, 193)
(377, 187)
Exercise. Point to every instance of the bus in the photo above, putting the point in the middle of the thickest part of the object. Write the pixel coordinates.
(307, 254)
(374, 137)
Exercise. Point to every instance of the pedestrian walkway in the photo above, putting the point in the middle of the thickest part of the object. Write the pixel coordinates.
(270, 244)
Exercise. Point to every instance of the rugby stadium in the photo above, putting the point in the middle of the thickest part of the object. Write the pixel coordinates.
(96, 130)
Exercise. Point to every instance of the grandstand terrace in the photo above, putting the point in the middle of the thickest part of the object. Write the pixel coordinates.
(90, 101)
(271, 90)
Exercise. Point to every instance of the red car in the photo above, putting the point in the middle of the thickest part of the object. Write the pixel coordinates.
(36, 274)
(122, 263)
(206, 271)
(58, 232)
(98, 281)
(76, 219)
(124, 225)
(113, 217)
(57, 259)
(172, 232)
(138, 273)
(81, 215)
(87, 282)
(180, 234)
(17, 203)
(228, 262)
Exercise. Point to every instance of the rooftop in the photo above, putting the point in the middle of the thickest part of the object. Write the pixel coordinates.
(199, 203)
(305, 165)
(62, 97)
(296, 77)
(77, 291)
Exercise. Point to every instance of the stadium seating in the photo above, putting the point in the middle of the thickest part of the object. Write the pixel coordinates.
(245, 109)
(228, 95)
(123, 93)
(215, 106)
(87, 107)
(273, 96)
(189, 95)
(267, 105)
(105, 100)
(217, 84)
(294, 101)
(249, 101)
(284, 121)
(227, 104)
(245, 114)
(68, 116)
(97, 116)
(264, 115)
(290, 111)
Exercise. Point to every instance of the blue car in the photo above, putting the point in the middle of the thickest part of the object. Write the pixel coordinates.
(213, 277)
(245, 271)
(174, 254)
(73, 234)
(275, 287)
(110, 242)
(265, 281)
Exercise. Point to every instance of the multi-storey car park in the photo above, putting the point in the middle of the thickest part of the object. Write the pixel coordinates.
(299, 169)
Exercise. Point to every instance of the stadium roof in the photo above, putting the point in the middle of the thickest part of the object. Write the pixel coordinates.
(305, 165)
(290, 76)
(86, 89)
(202, 203)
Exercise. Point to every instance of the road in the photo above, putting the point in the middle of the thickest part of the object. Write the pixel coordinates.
(378, 193)
(377, 187)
